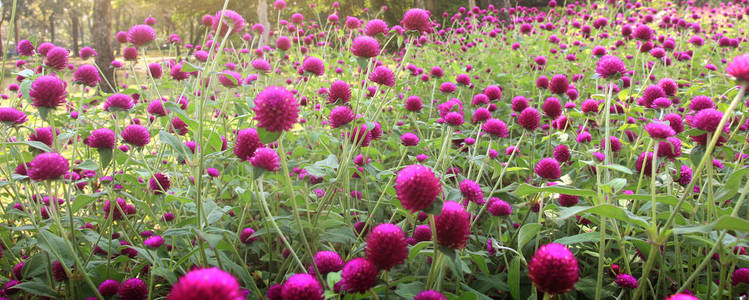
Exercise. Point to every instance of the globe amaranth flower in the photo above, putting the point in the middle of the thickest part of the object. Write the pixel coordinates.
(47, 166)
(649, 95)
(246, 236)
(339, 91)
(159, 183)
(328, 261)
(48, 91)
(365, 47)
(499, 208)
(313, 65)
(645, 160)
(154, 241)
(230, 79)
(359, 275)
(117, 102)
(707, 119)
(471, 191)
(416, 19)
(206, 283)
(740, 275)
(386, 246)
(626, 281)
(383, 75)
(453, 225)
(25, 48)
(266, 159)
(376, 26)
(140, 35)
(422, 233)
(417, 187)
(302, 287)
(155, 70)
(495, 127)
(56, 58)
(87, 52)
(87, 75)
(552, 108)
(409, 139)
(559, 84)
(548, 168)
(553, 269)
(682, 297)
(340, 115)
(102, 138)
(567, 200)
(11, 116)
(130, 53)
(562, 153)
(276, 109)
(739, 68)
(430, 295)
(658, 130)
(136, 135)
(610, 66)
(529, 118)
(133, 289)
(109, 287)
(246, 143)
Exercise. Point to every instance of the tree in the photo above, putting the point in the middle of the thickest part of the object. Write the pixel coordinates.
(262, 16)
(102, 35)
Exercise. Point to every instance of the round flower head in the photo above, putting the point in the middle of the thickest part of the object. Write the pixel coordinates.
(302, 287)
(130, 53)
(25, 48)
(740, 275)
(567, 200)
(57, 58)
(645, 160)
(43, 48)
(495, 127)
(707, 119)
(140, 35)
(409, 139)
(247, 142)
(276, 109)
(328, 261)
(12, 116)
(453, 225)
(359, 275)
(701, 102)
(562, 153)
(559, 84)
(230, 79)
(154, 69)
(313, 65)
(339, 91)
(548, 168)
(650, 94)
(154, 241)
(87, 52)
(118, 102)
(109, 287)
(430, 295)
(340, 115)
(206, 283)
(416, 19)
(658, 130)
(529, 118)
(417, 187)
(87, 75)
(365, 47)
(48, 91)
(102, 138)
(136, 135)
(266, 159)
(552, 108)
(47, 166)
(471, 191)
(386, 246)
(643, 32)
(422, 233)
(133, 289)
(383, 75)
(610, 66)
(376, 26)
(499, 208)
(553, 269)
(43, 135)
(626, 281)
(682, 297)
(159, 183)
(246, 236)
(739, 68)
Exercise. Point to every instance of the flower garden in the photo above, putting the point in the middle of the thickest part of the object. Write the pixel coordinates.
(574, 151)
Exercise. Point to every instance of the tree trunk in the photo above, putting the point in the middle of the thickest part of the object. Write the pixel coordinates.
(75, 23)
(1, 39)
(419, 3)
(471, 4)
(101, 34)
(430, 5)
(15, 29)
(262, 15)
(52, 27)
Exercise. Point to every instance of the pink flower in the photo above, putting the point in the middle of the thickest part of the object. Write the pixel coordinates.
(386, 246)
(48, 91)
(739, 67)
(553, 269)
(140, 35)
(417, 187)
(276, 109)
(266, 159)
(365, 47)
(47, 166)
(453, 226)
(206, 283)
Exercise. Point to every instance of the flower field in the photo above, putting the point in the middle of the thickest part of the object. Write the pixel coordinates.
(573, 151)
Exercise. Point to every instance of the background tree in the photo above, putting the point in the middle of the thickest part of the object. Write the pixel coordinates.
(102, 35)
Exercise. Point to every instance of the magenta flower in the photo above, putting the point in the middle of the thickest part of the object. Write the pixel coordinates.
(365, 47)
(276, 109)
(266, 159)
(453, 226)
(553, 269)
(206, 283)
(47, 166)
(48, 91)
(386, 246)
(359, 275)
(302, 287)
(417, 187)
(140, 35)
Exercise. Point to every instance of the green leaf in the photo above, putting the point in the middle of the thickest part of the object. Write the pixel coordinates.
(55, 246)
(175, 143)
(732, 223)
(605, 210)
(480, 261)
(526, 189)
(696, 154)
(665, 199)
(35, 144)
(616, 167)
(87, 165)
(513, 278)
(267, 137)
(731, 185)
(416, 249)
(82, 201)
(105, 156)
(581, 238)
(25, 87)
(527, 232)
(434, 209)
(36, 287)
(189, 67)
(409, 290)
